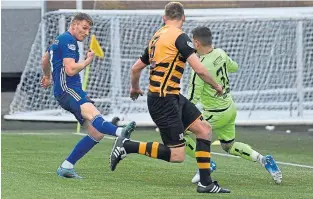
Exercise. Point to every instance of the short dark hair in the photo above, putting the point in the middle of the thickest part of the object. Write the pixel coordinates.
(83, 16)
(174, 11)
(203, 35)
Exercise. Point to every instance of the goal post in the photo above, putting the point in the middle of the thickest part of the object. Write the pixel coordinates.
(273, 47)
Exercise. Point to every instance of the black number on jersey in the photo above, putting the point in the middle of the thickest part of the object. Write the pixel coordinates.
(152, 47)
(224, 78)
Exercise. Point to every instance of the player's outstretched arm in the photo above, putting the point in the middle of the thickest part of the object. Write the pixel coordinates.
(203, 73)
(46, 68)
(72, 68)
(135, 76)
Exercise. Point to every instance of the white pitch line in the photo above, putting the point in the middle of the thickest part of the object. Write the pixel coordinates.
(283, 163)
(295, 165)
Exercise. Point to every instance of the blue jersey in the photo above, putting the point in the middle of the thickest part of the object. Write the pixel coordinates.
(64, 46)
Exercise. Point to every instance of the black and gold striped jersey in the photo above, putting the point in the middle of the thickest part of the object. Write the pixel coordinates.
(167, 53)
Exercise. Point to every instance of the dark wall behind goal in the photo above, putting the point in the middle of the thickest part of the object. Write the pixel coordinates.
(18, 31)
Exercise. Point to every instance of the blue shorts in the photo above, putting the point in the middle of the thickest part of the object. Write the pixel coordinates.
(71, 100)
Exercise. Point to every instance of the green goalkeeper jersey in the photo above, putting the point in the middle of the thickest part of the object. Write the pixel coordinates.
(219, 64)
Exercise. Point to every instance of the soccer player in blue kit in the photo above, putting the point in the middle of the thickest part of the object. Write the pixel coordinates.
(62, 58)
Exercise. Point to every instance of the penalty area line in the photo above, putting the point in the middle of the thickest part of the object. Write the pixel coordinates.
(282, 163)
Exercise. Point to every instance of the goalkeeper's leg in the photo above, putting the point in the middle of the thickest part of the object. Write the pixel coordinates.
(234, 148)
(223, 125)
(245, 151)
(226, 135)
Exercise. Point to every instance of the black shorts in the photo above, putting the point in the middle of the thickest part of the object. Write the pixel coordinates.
(173, 115)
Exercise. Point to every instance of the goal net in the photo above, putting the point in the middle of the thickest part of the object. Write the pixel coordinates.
(274, 84)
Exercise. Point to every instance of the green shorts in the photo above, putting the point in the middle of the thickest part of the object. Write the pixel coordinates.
(222, 122)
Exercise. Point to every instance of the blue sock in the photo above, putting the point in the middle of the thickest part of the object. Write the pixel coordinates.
(103, 126)
(81, 148)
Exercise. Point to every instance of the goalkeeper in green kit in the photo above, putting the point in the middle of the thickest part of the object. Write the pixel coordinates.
(220, 111)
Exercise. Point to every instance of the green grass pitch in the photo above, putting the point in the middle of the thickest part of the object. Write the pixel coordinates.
(29, 163)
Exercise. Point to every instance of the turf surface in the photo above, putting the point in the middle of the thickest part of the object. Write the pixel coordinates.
(29, 163)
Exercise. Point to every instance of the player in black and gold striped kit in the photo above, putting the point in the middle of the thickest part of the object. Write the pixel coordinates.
(167, 62)
(167, 52)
